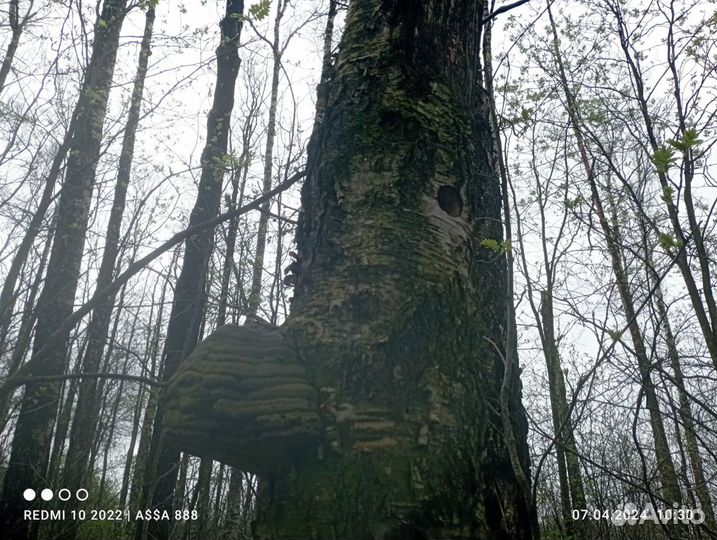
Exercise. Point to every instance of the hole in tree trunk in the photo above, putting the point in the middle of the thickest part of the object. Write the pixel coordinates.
(450, 201)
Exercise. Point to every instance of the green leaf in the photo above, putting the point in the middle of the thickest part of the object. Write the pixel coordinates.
(260, 10)
(663, 158)
(498, 247)
(689, 140)
(667, 241)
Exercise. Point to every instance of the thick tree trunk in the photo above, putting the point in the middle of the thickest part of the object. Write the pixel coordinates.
(85, 421)
(33, 432)
(399, 314)
(189, 295)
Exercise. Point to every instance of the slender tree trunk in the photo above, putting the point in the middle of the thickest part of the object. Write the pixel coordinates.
(204, 479)
(112, 422)
(704, 304)
(24, 333)
(139, 484)
(33, 432)
(684, 408)
(236, 200)
(258, 269)
(400, 191)
(179, 491)
(572, 491)
(85, 421)
(127, 474)
(67, 398)
(238, 185)
(17, 26)
(239, 503)
(217, 505)
(188, 304)
(668, 476)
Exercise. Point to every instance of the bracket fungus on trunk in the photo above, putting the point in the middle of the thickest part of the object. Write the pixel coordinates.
(242, 397)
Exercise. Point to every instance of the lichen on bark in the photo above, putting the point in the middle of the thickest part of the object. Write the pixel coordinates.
(399, 312)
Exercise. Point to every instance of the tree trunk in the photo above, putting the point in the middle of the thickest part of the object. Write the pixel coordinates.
(572, 492)
(258, 269)
(124, 490)
(17, 26)
(233, 526)
(703, 301)
(684, 408)
(204, 478)
(33, 432)
(189, 293)
(668, 477)
(400, 314)
(178, 492)
(22, 341)
(139, 476)
(85, 421)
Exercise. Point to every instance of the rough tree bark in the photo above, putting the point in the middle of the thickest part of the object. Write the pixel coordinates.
(399, 316)
(33, 431)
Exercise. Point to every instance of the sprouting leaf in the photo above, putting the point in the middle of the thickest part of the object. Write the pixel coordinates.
(572, 204)
(667, 241)
(663, 158)
(498, 247)
(689, 140)
(490, 243)
(260, 10)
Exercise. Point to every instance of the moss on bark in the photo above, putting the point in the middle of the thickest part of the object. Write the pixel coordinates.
(399, 313)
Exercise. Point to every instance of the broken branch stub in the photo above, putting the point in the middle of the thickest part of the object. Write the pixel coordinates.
(242, 398)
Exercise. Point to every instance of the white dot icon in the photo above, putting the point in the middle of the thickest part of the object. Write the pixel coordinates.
(46, 494)
(28, 494)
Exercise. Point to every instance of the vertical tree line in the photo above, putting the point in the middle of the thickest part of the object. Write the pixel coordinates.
(439, 270)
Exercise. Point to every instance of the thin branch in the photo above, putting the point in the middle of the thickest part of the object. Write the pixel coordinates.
(22, 375)
(504, 9)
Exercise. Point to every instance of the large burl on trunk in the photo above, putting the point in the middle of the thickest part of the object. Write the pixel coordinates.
(399, 312)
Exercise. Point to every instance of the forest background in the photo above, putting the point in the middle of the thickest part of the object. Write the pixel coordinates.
(606, 111)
